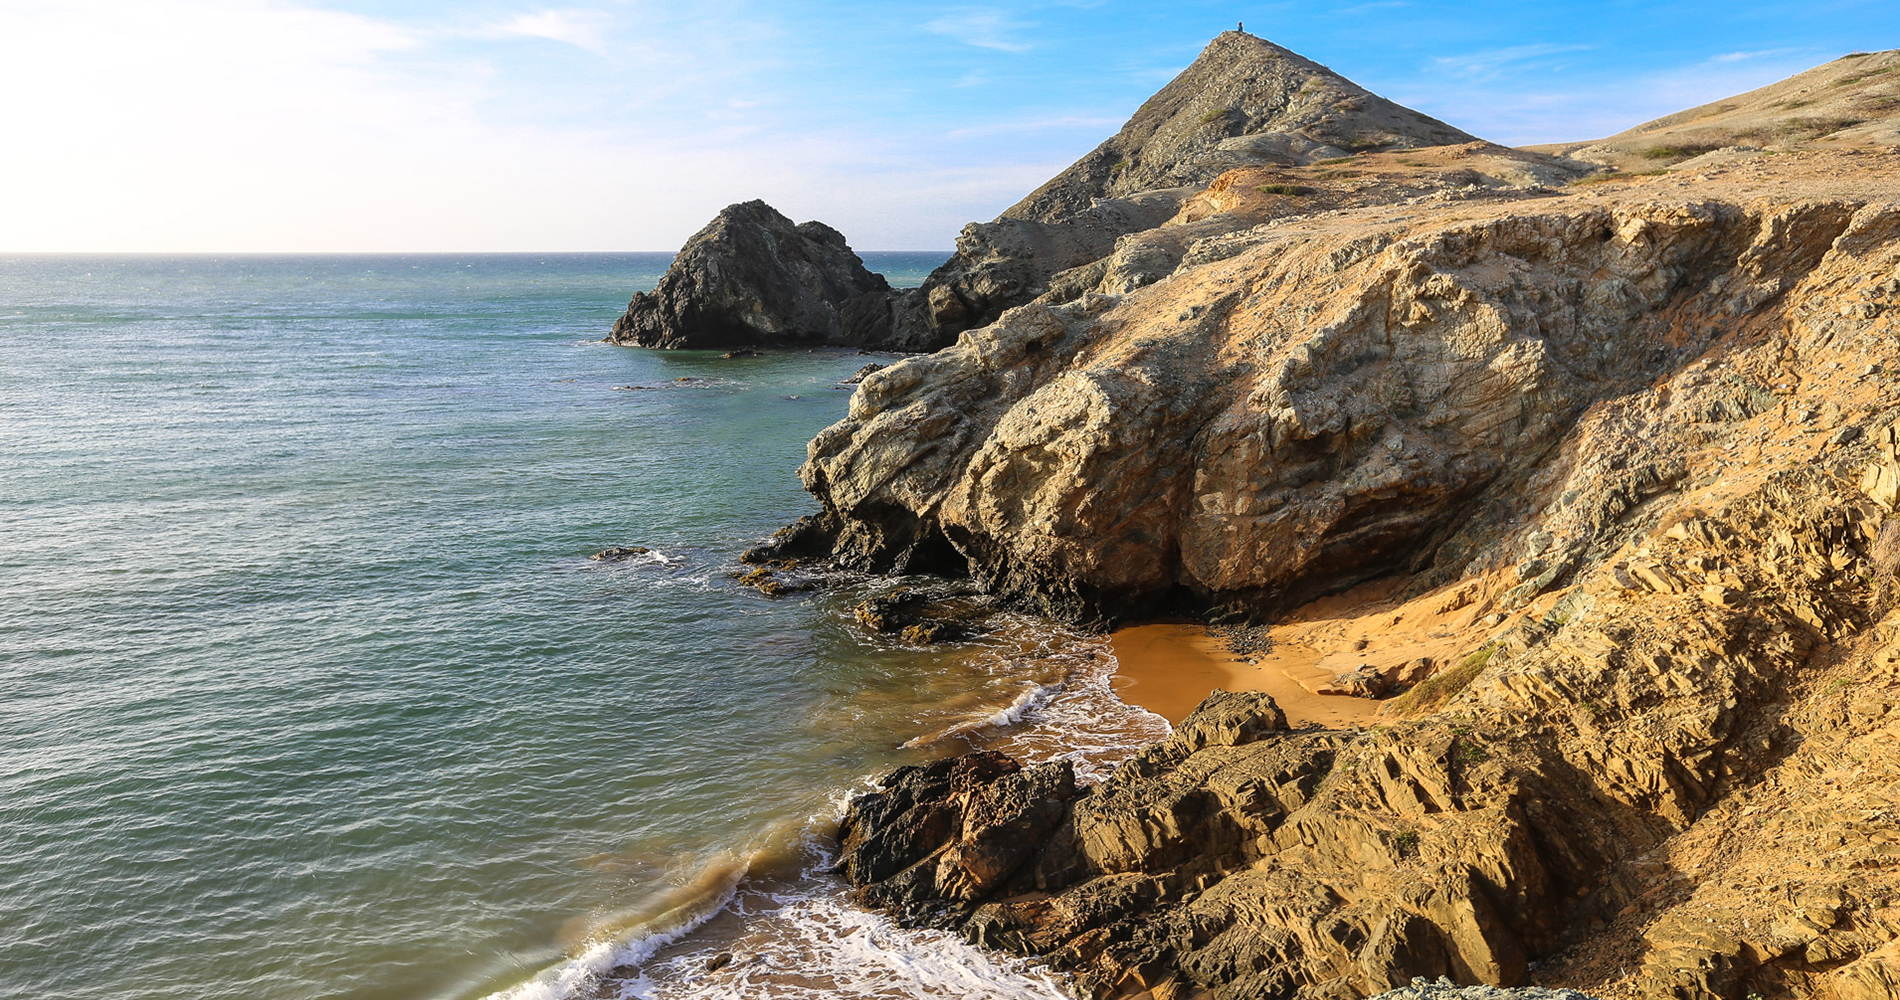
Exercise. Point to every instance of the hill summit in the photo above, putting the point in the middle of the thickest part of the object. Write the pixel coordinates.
(1244, 102)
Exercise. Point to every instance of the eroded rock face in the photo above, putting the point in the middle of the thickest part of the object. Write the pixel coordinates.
(1651, 440)
(1236, 856)
(753, 279)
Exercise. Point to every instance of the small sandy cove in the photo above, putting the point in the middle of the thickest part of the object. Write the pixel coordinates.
(1168, 668)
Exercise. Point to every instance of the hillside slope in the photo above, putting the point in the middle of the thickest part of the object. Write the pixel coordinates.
(1851, 102)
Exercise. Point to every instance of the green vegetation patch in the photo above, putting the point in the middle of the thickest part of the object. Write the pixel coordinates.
(1433, 692)
(1290, 190)
(1814, 128)
(1219, 114)
(1614, 175)
(1848, 81)
(1678, 152)
(1338, 159)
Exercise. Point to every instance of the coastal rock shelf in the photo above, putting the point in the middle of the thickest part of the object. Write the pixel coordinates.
(1593, 472)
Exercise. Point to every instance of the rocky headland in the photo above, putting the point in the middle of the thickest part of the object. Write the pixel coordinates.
(1621, 446)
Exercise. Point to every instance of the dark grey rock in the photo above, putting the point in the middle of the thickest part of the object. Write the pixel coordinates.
(751, 278)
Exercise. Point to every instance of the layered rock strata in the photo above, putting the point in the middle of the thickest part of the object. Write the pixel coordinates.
(753, 279)
(1644, 432)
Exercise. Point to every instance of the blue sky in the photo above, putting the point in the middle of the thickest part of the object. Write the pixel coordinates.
(625, 124)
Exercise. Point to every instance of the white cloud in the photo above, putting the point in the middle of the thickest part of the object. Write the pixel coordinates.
(1098, 126)
(1537, 111)
(982, 27)
(229, 125)
(1492, 62)
(586, 29)
(1735, 57)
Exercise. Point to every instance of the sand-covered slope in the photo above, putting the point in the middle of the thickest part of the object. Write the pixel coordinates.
(1852, 102)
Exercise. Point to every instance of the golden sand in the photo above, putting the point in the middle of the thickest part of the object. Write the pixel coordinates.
(1169, 669)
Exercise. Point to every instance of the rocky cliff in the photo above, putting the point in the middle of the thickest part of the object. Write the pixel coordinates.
(753, 279)
(1635, 441)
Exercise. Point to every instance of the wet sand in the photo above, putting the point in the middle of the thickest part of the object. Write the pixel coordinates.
(1169, 669)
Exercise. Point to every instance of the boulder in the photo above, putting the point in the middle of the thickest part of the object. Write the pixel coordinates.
(751, 278)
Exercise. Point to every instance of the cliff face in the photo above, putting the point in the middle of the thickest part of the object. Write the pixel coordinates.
(1244, 102)
(751, 278)
(1642, 436)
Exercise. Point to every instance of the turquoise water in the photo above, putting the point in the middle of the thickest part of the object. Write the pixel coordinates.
(311, 689)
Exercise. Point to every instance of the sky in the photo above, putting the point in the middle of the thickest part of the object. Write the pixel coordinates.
(492, 125)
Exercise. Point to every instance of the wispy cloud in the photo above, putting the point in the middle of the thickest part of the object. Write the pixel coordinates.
(1034, 125)
(1735, 57)
(586, 29)
(982, 27)
(1493, 62)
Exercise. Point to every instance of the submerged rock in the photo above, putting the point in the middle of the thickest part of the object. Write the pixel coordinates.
(751, 278)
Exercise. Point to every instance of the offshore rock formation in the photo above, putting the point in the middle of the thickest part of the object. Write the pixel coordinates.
(1640, 434)
(753, 279)
(1244, 102)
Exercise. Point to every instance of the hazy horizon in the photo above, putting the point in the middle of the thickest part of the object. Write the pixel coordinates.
(348, 126)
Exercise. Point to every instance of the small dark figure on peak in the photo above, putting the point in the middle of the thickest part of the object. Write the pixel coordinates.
(1240, 26)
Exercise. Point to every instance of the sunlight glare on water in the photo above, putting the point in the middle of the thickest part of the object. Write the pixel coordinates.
(313, 691)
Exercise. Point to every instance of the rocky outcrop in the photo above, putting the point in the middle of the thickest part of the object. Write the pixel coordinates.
(1312, 407)
(1643, 436)
(1244, 102)
(1678, 783)
(753, 279)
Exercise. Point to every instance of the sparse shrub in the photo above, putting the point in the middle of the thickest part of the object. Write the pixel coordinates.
(1848, 81)
(1217, 114)
(1406, 841)
(1466, 752)
(1337, 159)
(1814, 128)
(1290, 190)
(1681, 151)
(1118, 166)
(1369, 145)
(1432, 692)
(1614, 175)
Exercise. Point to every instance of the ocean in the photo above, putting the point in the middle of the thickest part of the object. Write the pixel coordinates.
(310, 689)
